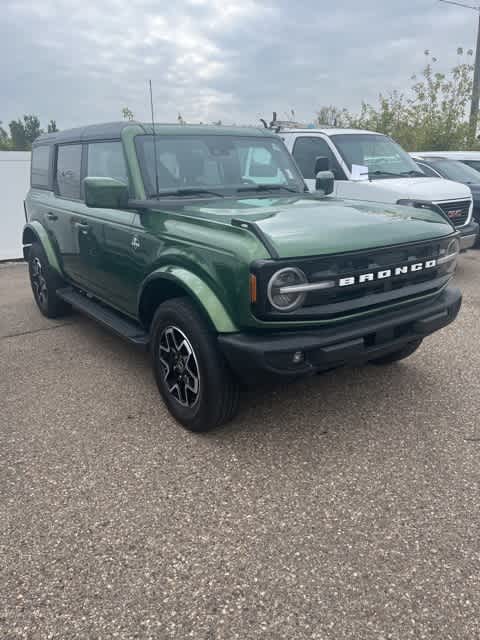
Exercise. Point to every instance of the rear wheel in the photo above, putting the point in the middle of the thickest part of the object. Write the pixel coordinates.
(402, 353)
(191, 373)
(45, 282)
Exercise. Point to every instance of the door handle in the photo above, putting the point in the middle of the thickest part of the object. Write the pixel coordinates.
(82, 226)
(52, 216)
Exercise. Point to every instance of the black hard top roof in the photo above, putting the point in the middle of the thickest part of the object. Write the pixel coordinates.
(113, 130)
(106, 131)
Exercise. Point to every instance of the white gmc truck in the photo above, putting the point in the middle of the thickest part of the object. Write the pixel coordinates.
(371, 166)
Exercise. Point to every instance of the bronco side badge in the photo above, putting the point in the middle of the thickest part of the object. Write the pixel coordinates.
(135, 243)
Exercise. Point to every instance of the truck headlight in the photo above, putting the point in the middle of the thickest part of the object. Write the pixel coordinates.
(421, 204)
(285, 289)
(448, 256)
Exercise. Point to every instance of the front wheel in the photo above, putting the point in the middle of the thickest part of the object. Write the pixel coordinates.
(402, 353)
(191, 373)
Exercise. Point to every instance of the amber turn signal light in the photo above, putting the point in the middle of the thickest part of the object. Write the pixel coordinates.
(253, 288)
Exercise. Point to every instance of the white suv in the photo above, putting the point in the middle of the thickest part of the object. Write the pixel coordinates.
(371, 166)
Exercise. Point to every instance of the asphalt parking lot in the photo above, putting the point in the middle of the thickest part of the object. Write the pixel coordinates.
(344, 506)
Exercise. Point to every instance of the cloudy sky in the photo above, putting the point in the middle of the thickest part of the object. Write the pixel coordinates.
(82, 61)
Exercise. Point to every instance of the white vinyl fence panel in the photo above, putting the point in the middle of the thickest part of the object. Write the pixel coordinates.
(14, 184)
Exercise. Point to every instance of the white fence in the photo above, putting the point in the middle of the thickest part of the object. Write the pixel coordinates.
(14, 184)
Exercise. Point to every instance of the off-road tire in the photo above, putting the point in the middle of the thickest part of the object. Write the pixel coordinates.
(44, 282)
(217, 398)
(402, 353)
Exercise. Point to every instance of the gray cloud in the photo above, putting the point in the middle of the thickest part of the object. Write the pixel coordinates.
(214, 59)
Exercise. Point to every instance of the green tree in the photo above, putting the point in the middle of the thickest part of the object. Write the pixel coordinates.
(390, 117)
(17, 135)
(331, 116)
(4, 139)
(23, 133)
(127, 114)
(52, 127)
(432, 116)
(32, 128)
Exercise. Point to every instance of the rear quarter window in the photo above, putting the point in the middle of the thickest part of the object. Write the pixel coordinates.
(40, 167)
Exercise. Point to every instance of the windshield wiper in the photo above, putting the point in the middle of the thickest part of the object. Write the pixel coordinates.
(267, 187)
(383, 173)
(186, 191)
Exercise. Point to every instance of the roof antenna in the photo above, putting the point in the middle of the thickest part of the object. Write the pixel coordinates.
(155, 159)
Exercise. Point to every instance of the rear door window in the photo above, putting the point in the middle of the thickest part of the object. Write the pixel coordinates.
(69, 161)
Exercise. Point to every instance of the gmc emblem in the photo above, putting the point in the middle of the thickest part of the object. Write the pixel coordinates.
(456, 213)
(386, 273)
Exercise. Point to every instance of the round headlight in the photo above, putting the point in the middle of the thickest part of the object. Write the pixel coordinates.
(281, 290)
(453, 250)
(448, 256)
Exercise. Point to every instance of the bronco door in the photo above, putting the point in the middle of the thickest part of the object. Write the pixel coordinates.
(108, 240)
(64, 212)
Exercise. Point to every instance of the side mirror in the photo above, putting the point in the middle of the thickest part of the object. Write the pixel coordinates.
(105, 193)
(324, 181)
(322, 163)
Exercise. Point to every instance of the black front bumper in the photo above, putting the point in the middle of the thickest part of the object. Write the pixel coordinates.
(256, 356)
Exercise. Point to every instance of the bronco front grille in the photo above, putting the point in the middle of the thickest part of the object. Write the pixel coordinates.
(457, 210)
(339, 301)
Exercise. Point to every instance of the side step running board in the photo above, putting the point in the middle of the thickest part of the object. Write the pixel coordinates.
(111, 319)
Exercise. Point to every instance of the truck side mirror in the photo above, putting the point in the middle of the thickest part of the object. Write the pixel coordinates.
(322, 163)
(105, 193)
(324, 181)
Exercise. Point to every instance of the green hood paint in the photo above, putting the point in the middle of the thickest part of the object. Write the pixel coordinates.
(307, 226)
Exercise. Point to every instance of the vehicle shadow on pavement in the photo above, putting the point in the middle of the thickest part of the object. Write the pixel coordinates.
(336, 406)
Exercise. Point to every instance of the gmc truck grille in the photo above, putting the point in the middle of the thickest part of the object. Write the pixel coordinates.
(457, 211)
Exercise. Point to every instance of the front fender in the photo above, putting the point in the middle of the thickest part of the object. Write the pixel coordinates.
(200, 292)
(34, 230)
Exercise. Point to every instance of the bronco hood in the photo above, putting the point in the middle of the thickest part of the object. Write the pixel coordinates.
(307, 226)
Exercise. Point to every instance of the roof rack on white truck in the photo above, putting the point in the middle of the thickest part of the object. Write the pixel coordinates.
(370, 166)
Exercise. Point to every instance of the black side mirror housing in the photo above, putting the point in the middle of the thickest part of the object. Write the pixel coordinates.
(322, 163)
(105, 193)
(324, 181)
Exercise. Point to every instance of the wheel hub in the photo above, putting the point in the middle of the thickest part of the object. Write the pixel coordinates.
(39, 284)
(179, 365)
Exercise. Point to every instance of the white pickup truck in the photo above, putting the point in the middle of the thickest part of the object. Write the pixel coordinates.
(371, 166)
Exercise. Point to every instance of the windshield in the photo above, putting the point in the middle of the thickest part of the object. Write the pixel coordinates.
(456, 170)
(475, 164)
(216, 165)
(380, 154)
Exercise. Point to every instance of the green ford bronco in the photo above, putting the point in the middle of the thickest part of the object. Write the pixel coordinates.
(202, 244)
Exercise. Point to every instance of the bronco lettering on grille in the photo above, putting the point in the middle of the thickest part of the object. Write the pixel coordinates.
(386, 273)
